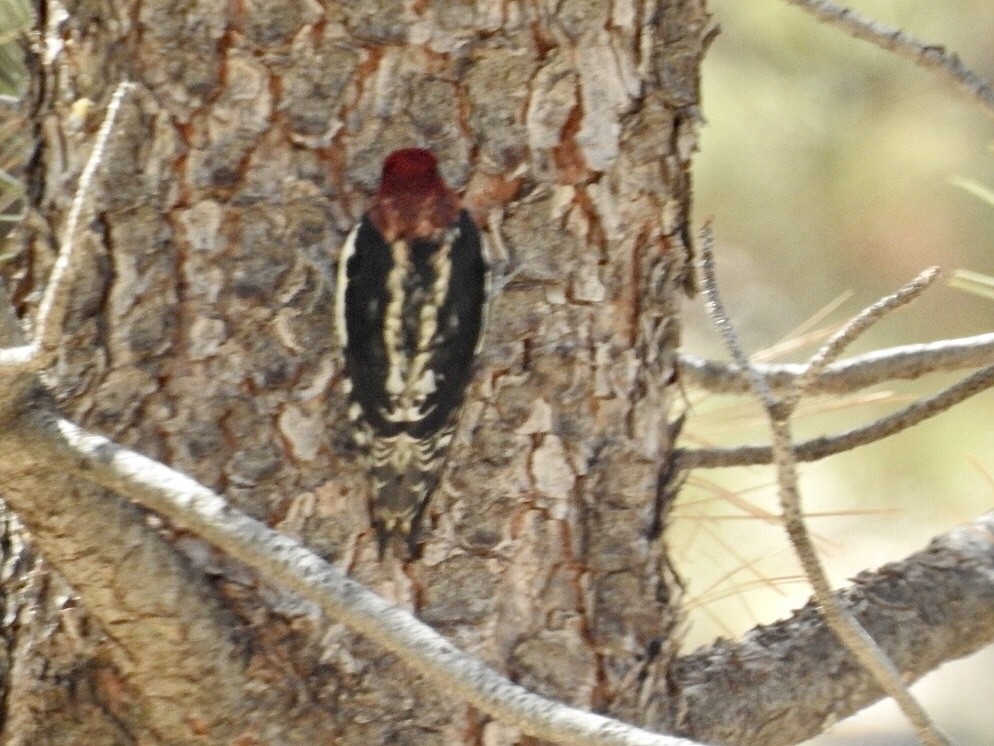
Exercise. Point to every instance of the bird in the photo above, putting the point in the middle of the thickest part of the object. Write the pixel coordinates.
(411, 292)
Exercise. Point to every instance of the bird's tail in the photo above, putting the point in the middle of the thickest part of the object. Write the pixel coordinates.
(405, 472)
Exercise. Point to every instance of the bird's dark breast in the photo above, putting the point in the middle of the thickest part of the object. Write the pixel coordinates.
(413, 314)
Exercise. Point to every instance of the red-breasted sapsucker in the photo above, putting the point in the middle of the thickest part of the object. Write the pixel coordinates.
(410, 301)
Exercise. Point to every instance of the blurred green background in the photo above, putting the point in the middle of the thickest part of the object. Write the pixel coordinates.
(827, 165)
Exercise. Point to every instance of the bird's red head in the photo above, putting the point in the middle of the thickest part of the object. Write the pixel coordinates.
(410, 170)
(413, 200)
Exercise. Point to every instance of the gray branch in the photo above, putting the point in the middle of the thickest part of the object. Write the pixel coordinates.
(781, 683)
(282, 561)
(934, 57)
(907, 363)
(822, 447)
(842, 623)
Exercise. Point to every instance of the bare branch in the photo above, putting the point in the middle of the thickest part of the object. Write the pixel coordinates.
(846, 627)
(932, 57)
(819, 448)
(831, 350)
(52, 309)
(283, 562)
(842, 623)
(769, 687)
(908, 362)
(716, 309)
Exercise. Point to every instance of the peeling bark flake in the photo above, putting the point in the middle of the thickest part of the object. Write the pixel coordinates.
(304, 433)
(552, 473)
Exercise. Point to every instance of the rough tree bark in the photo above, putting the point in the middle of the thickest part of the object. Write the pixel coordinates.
(200, 334)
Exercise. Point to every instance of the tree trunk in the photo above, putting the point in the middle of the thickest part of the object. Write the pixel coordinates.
(201, 330)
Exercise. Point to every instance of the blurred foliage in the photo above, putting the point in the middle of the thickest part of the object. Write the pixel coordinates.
(975, 188)
(973, 282)
(16, 23)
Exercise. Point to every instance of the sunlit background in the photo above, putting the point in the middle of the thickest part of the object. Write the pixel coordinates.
(827, 166)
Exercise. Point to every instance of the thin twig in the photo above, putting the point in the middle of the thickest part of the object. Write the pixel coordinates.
(846, 627)
(840, 621)
(907, 363)
(40, 352)
(932, 57)
(716, 309)
(831, 350)
(824, 446)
